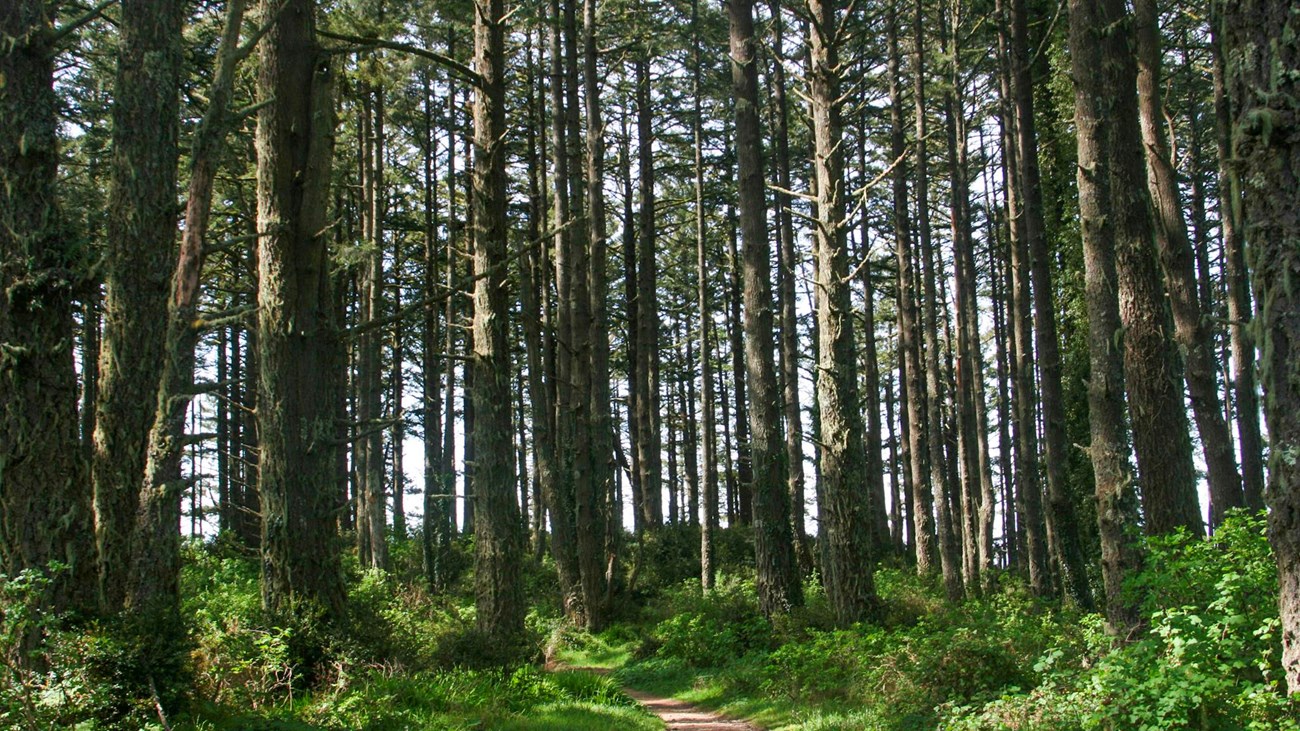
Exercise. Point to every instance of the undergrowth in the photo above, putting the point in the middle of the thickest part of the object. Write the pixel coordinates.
(1208, 660)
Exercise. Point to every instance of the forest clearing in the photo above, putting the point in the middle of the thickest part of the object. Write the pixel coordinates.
(640, 364)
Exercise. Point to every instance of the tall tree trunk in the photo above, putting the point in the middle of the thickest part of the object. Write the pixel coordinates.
(372, 507)
(778, 578)
(846, 515)
(949, 558)
(435, 522)
(153, 584)
(560, 501)
(498, 534)
(1191, 330)
(647, 318)
(1028, 489)
(45, 505)
(299, 357)
(141, 242)
(977, 481)
(1261, 40)
(788, 264)
(1095, 103)
(878, 514)
(592, 506)
(923, 537)
(397, 389)
(709, 520)
(1241, 313)
(1060, 503)
(740, 475)
(1152, 370)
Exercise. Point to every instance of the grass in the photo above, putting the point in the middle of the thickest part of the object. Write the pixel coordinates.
(609, 650)
(454, 700)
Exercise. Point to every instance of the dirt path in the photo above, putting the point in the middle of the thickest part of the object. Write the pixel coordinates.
(681, 715)
(676, 715)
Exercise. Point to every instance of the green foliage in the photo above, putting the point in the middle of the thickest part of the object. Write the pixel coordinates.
(710, 630)
(59, 673)
(1211, 658)
(1208, 660)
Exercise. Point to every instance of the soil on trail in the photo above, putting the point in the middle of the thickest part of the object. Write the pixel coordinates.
(676, 715)
(681, 715)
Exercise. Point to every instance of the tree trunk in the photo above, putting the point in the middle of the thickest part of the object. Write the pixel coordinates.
(141, 242)
(847, 573)
(647, 308)
(372, 507)
(1241, 312)
(1261, 40)
(1152, 370)
(788, 264)
(153, 585)
(949, 558)
(1191, 331)
(498, 534)
(977, 482)
(560, 500)
(1094, 105)
(592, 506)
(299, 358)
(778, 577)
(923, 537)
(709, 519)
(1060, 503)
(436, 518)
(45, 505)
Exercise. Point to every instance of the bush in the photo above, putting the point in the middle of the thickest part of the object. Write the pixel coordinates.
(1208, 660)
(709, 631)
(1211, 658)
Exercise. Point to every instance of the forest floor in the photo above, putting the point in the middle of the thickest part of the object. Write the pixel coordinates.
(677, 715)
(682, 715)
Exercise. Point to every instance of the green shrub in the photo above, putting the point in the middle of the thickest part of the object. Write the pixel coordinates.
(1211, 658)
(709, 631)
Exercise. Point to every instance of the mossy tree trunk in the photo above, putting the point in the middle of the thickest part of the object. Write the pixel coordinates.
(300, 361)
(1261, 41)
(498, 532)
(45, 502)
(141, 242)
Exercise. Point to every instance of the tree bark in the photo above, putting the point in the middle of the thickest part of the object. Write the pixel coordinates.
(498, 533)
(1095, 110)
(141, 242)
(299, 359)
(1191, 331)
(778, 578)
(1261, 40)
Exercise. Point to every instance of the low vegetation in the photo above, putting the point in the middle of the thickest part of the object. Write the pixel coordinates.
(1208, 657)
